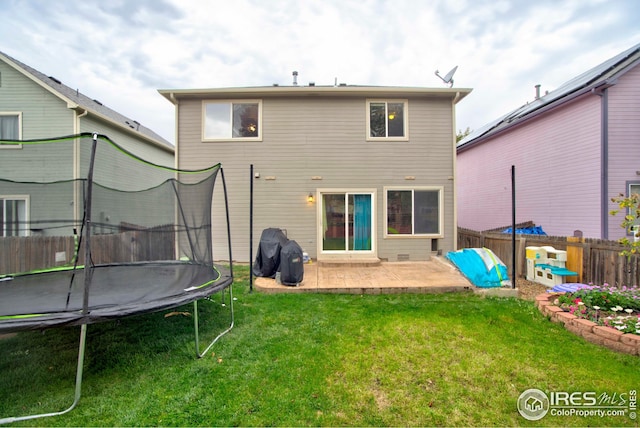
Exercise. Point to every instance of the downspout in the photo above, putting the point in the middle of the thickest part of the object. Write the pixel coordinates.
(604, 161)
(76, 165)
(453, 178)
(175, 161)
(174, 100)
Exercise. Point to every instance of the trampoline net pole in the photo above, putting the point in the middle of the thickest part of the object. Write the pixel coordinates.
(250, 228)
(78, 388)
(88, 271)
(199, 353)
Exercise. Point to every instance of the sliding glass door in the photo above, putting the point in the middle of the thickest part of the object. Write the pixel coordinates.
(347, 222)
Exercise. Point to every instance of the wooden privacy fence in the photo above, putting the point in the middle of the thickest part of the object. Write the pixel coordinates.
(595, 260)
(25, 254)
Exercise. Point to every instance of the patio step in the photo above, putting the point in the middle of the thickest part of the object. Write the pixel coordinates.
(350, 262)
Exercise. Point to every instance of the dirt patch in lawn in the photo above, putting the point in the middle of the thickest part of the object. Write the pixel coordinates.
(7, 335)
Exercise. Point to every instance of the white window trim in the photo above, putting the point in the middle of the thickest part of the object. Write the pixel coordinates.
(27, 210)
(340, 254)
(440, 234)
(629, 231)
(13, 146)
(232, 101)
(405, 119)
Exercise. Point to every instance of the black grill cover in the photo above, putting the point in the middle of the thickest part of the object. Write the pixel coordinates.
(267, 260)
(291, 267)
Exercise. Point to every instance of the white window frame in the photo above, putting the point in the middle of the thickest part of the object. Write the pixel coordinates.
(631, 184)
(27, 206)
(439, 234)
(405, 118)
(17, 145)
(231, 102)
(328, 254)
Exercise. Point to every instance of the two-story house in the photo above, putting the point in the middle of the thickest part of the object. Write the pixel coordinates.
(36, 106)
(349, 172)
(573, 149)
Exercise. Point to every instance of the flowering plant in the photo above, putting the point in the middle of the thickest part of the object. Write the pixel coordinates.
(630, 204)
(612, 307)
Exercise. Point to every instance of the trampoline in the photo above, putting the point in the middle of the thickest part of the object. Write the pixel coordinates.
(54, 299)
(127, 244)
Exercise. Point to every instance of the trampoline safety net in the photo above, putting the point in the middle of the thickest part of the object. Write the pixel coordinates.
(92, 231)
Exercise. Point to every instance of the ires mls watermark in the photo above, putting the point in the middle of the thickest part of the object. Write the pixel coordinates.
(534, 404)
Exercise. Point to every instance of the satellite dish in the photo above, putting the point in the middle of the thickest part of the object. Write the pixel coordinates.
(448, 78)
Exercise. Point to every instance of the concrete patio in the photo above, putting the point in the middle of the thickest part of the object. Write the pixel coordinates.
(376, 277)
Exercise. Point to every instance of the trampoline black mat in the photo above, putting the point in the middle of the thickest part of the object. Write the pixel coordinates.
(51, 299)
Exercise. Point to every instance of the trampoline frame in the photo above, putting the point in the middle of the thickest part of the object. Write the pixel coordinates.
(88, 269)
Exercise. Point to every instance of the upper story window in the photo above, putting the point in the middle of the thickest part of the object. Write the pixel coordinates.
(387, 120)
(10, 128)
(232, 120)
(414, 211)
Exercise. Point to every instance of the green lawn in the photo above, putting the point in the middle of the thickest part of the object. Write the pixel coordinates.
(314, 360)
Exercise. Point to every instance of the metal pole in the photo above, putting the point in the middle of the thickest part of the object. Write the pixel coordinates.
(513, 226)
(226, 205)
(88, 269)
(250, 228)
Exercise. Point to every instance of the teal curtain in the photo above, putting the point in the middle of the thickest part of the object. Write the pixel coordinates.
(362, 222)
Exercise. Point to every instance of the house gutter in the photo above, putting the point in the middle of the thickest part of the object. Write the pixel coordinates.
(171, 96)
(130, 131)
(76, 161)
(310, 91)
(627, 64)
(176, 152)
(521, 120)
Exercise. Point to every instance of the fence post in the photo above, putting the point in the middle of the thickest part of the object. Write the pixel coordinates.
(575, 261)
(522, 263)
(586, 263)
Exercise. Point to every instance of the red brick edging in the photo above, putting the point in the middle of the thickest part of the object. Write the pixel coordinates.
(627, 343)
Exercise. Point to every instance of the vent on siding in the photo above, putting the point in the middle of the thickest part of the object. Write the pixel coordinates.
(403, 257)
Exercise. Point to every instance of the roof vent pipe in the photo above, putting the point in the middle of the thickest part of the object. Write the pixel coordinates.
(537, 91)
(295, 78)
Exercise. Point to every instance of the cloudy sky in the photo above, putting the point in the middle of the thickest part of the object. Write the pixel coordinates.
(122, 51)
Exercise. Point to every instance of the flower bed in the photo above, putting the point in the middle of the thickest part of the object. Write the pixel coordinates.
(604, 315)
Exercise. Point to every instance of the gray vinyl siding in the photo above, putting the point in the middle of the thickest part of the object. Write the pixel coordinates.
(43, 115)
(50, 206)
(113, 168)
(46, 115)
(321, 137)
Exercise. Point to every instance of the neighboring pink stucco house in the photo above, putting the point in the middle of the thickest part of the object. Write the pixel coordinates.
(573, 150)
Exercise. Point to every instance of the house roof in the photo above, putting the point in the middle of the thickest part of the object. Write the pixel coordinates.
(342, 90)
(601, 76)
(76, 99)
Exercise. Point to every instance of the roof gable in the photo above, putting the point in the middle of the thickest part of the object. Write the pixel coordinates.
(75, 98)
(603, 74)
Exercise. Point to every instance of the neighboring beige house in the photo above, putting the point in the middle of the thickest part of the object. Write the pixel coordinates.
(349, 172)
